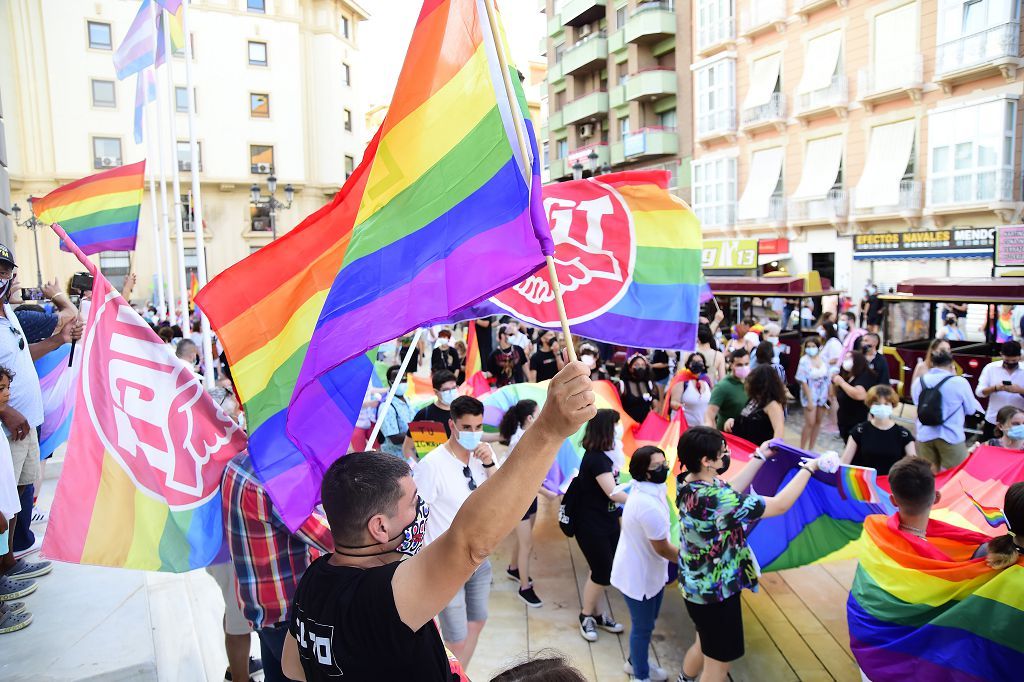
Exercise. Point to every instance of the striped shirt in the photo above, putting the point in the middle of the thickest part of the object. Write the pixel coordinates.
(268, 558)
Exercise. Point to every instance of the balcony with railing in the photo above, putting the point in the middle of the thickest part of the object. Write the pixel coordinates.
(971, 191)
(645, 143)
(559, 169)
(805, 8)
(760, 16)
(588, 107)
(907, 206)
(712, 125)
(649, 85)
(579, 12)
(650, 23)
(832, 98)
(775, 217)
(833, 208)
(713, 36)
(718, 215)
(582, 156)
(996, 49)
(771, 113)
(555, 119)
(892, 80)
(589, 53)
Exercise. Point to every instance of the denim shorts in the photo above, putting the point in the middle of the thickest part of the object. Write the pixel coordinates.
(469, 604)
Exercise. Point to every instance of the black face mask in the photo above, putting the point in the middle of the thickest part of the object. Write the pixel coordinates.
(697, 369)
(726, 461)
(942, 357)
(1010, 366)
(659, 475)
(639, 372)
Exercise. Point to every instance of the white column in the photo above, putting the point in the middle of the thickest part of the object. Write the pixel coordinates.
(157, 232)
(173, 140)
(161, 96)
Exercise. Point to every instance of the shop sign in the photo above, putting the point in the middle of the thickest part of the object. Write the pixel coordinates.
(952, 239)
(773, 247)
(1010, 245)
(729, 254)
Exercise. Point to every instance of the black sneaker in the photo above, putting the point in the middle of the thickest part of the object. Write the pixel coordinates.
(530, 598)
(255, 666)
(605, 622)
(512, 573)
(588, 628)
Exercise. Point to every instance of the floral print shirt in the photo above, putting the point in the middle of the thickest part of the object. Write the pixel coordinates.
(714, 560)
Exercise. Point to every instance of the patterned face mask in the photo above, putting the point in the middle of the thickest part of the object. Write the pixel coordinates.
(412, 541)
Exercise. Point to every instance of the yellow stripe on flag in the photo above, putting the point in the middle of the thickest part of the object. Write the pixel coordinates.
(676, 229)
(104, 202)
(150, 523)
(113, 517)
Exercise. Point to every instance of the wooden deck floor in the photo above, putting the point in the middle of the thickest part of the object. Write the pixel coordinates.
(795, 626)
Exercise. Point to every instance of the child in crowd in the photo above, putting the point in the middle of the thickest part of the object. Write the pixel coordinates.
(13, 616)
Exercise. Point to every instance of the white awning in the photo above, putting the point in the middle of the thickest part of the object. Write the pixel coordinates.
(888, 155)
(821, 167)
(764, 75)
(892, 62)
(765, 168)
(820, 62)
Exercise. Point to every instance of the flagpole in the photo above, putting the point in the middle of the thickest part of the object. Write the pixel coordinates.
(175, 174)
(160, 96)
(158, 251)
(394, 385)
(513, 102)
(197, 197)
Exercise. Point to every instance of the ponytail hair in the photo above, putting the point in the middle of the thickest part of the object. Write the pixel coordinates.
(1002, 552)
(514, 418)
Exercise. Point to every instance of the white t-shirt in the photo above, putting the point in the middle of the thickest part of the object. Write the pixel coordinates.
(637, 570)
(444, 487)
(833, 350)
(695, 399)
(26, 395)
(9, 502)
(994, 374)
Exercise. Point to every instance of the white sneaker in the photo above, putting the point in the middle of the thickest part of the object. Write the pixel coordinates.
(654, 673)
(588, 628)
(28, 550)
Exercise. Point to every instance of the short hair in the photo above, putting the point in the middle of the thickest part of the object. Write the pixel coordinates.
(547, 666)
(881, 394)
(1010, 349)
(640, 462)
(599, 434)
(184, 346)
(466, 405)
(912, 482)
(876, 337)
(357, 487)
(765, 353)
(440, 378)
(772, 329)
(740, 352)
(7, 372)
(445, 332)
(697, 443)
(166, 334)
(393, 373)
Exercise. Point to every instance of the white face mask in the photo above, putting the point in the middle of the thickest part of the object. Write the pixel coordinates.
(442, 342)
(589, 360)
(848, 364)
(449, 395)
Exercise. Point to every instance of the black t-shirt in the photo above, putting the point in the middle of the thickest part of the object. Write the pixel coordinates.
(881, 368)
(446, 358)
(506, 366)
(348, 628)
(874, 308)
(879, 449)
(753, 424)
(594, 508)
(852, 412)
(659, 357)
(543, 363)
(433, 413)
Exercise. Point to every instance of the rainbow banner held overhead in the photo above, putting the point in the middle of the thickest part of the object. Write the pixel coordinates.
(924, 610)
(99, 212)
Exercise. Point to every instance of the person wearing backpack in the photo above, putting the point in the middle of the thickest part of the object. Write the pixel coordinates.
(943, 402)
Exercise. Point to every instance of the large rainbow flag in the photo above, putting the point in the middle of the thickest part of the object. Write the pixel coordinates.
(58, 384)
(141, 482)
(924, 610)
(100, 212)
(443, 186)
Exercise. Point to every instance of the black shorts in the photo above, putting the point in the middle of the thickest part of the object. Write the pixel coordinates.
(531, 511)
(598, 547)
(720, 626)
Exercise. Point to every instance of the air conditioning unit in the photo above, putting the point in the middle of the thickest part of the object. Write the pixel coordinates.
(261, 168)
(108, 161)
(261, 224)
(585, 30)
(185, 165)
(586, 130)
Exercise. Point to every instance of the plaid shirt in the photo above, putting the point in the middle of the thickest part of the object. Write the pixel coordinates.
(268, 558)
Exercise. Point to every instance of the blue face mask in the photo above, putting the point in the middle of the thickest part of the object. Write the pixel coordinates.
(470, 439)
(881, 411)
(400, 389)
(1016, 432)
(449, 395)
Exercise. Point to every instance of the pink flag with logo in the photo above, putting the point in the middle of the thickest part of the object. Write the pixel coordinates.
(148, 446)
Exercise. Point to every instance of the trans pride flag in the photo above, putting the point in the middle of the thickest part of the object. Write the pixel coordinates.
(58, 384)
(443, 210)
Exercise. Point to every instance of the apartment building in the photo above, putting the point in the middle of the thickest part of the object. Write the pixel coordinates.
(617, 83)
(278, 90)
(867, 139)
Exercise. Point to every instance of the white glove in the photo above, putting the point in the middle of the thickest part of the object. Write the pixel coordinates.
(829, 462)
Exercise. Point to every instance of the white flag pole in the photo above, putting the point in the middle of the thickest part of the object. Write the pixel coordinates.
(157, 232)
(161, 95)
(394, 385)
(173, 140)
(197, 197)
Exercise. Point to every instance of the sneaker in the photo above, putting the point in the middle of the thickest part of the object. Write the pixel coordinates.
(530, 598)
(40, 516)
(14, 606)
(16, 589)
(18, 553)
(605, 622)
(513, 574)
(12, 622)
(255, 666)
(23, 570)
(654, 673)
(684, 678)
(588, 628)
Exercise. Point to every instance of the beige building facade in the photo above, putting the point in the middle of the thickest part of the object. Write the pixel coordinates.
(874, 140)
(618, 90)
(278, 90)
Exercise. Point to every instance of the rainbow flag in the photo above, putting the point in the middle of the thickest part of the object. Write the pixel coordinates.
(193, 289)
(994, 516)
(1004, 327)
(58, 384)
(857, 483)
(141, 482)
(924, 610)
(100, 212)
(476, 383)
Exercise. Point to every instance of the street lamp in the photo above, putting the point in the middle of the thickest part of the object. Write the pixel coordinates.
(577, 171)
(606, 169)
(256, 198)
(592, 156)
(33, 224)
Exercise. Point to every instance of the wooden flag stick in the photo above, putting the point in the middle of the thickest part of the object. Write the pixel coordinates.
(513, 101)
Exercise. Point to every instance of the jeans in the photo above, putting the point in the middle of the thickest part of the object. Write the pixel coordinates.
(23, 535)
(642, 615)
(271, 648)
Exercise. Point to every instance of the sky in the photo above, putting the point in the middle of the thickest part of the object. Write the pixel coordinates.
(385, 37)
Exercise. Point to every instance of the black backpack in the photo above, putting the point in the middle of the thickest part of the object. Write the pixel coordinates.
(567, 509)
(929, 403)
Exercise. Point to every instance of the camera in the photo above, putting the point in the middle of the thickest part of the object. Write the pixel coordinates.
(82, 282)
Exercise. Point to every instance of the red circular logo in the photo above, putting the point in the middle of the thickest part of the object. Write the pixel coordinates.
(594, 255)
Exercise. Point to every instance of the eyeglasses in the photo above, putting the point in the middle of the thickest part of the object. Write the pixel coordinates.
(469, 478)
(21, 339)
